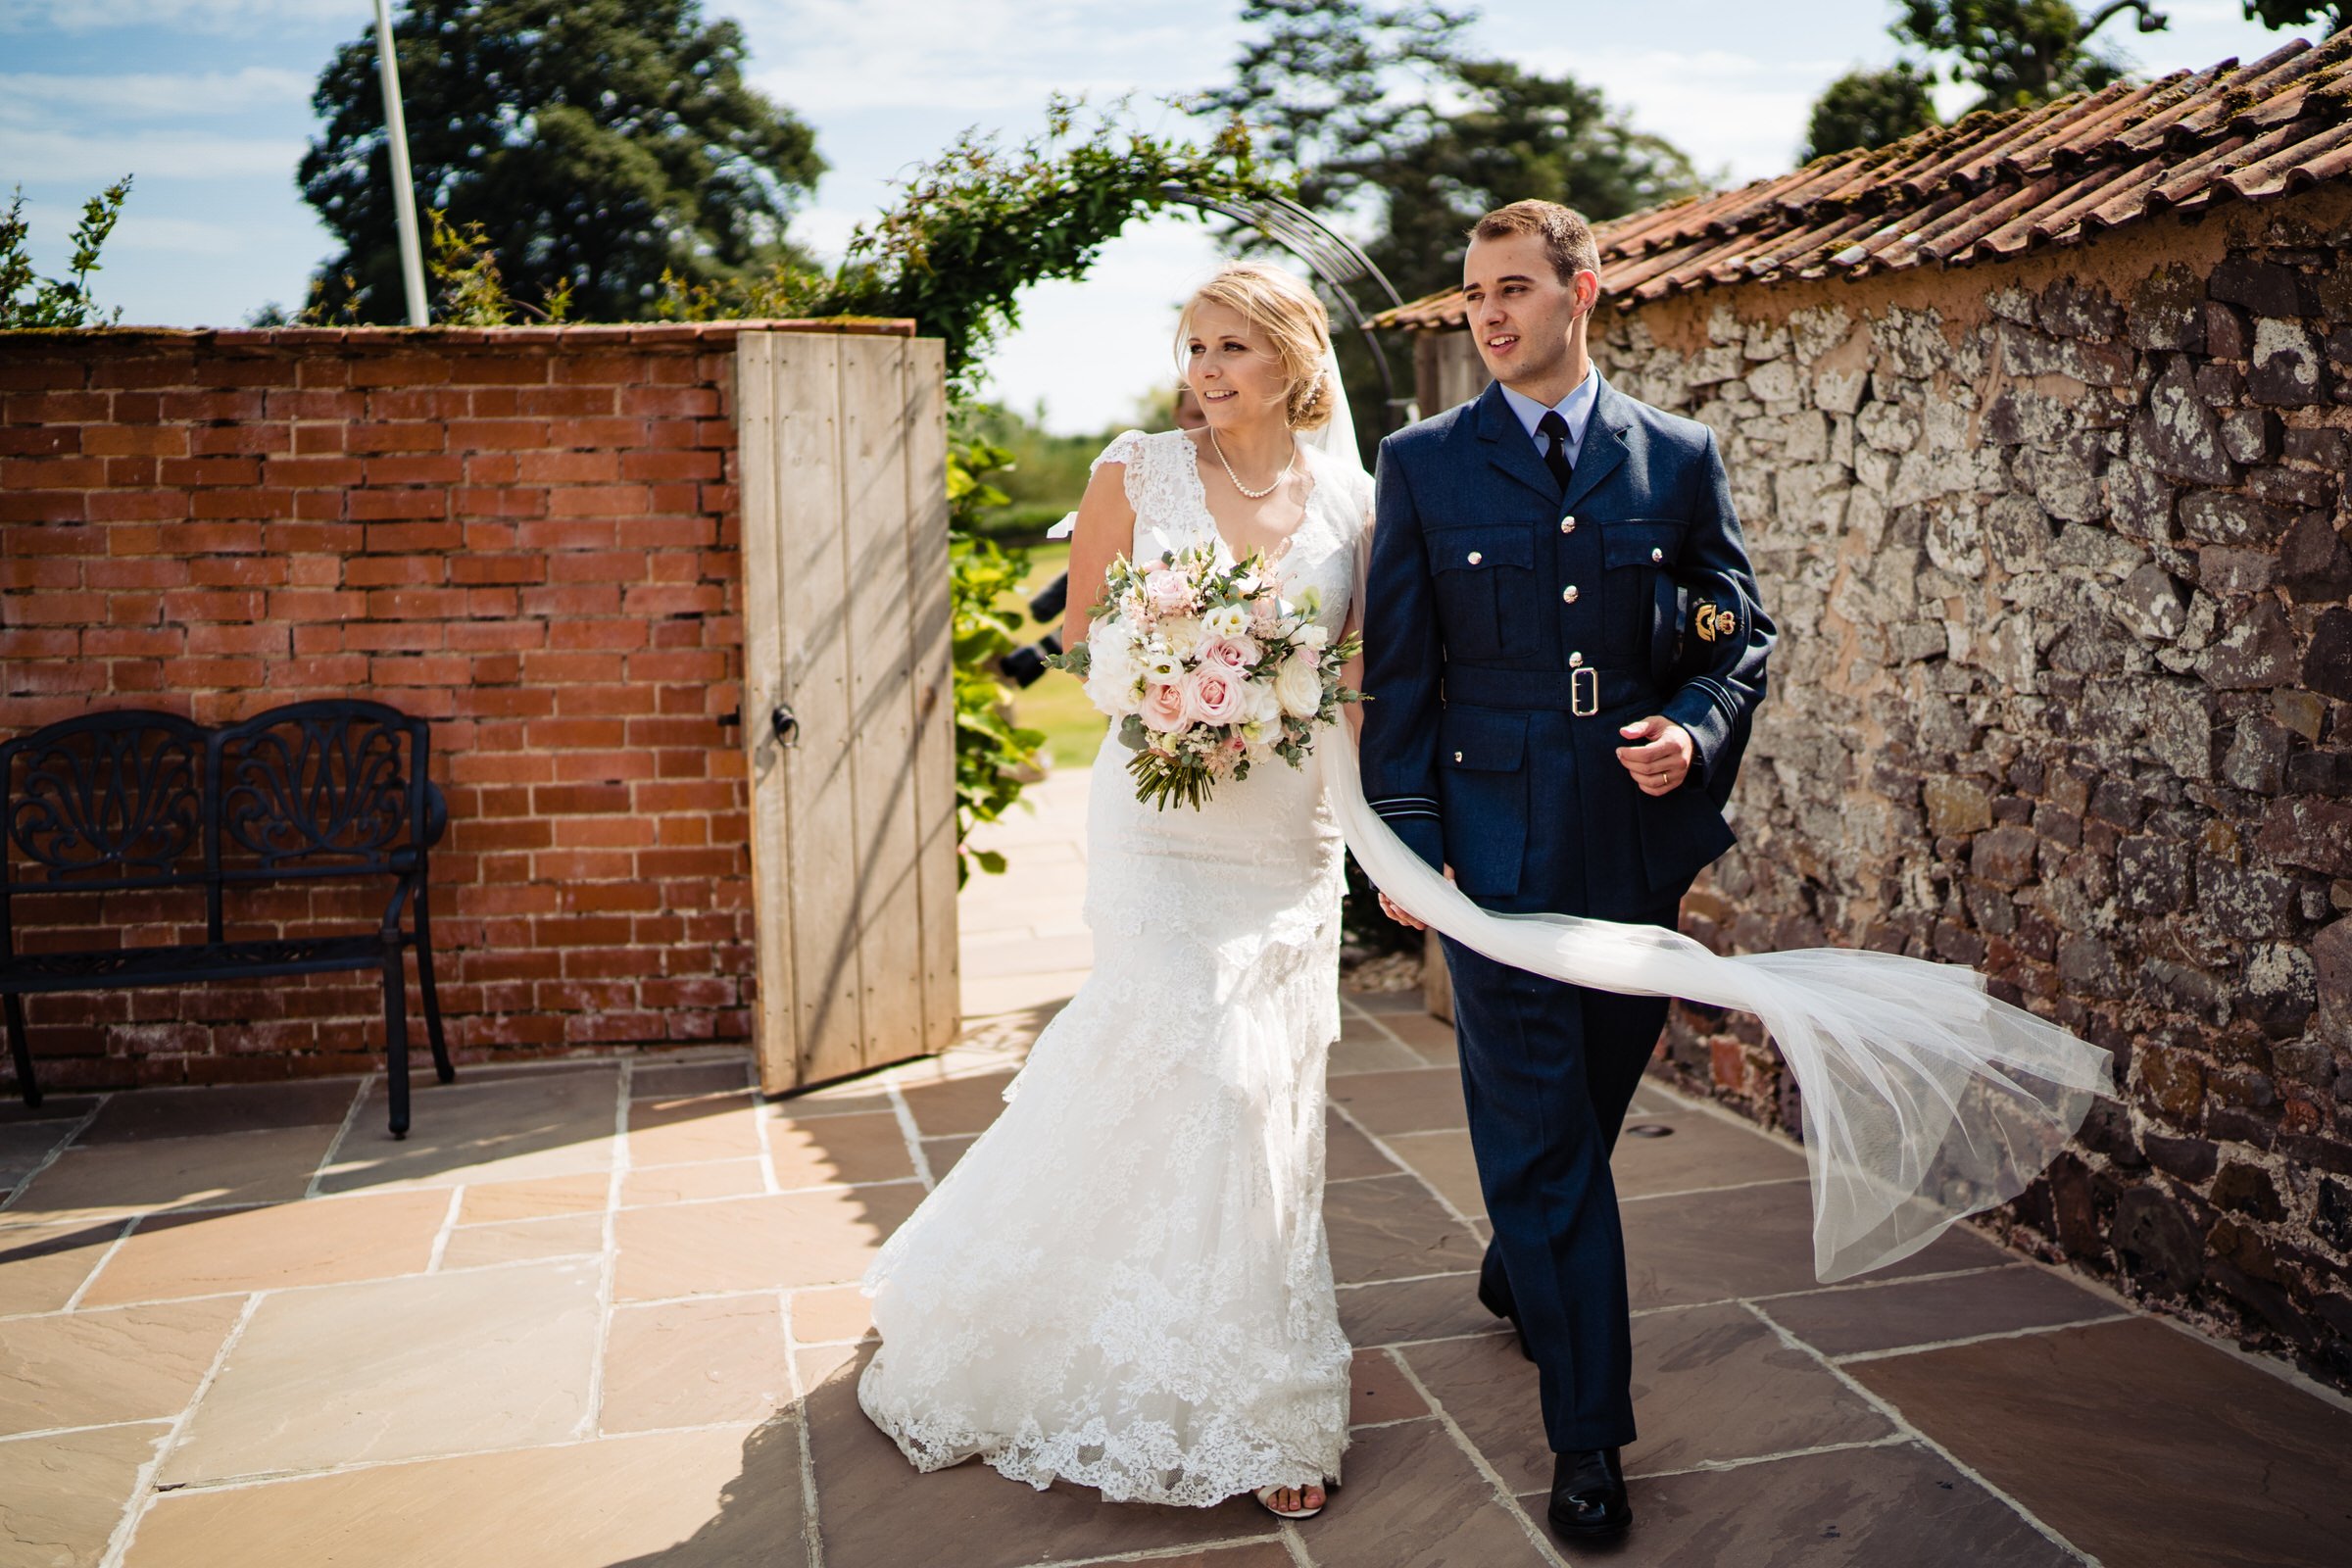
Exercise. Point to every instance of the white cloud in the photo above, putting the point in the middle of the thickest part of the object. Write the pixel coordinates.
(1726, 111)
(149, 156)
(825, 57)
(182, 16)
(29, 97)
(51, 222)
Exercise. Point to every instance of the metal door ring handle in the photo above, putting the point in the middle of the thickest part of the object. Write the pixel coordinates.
(786, 728)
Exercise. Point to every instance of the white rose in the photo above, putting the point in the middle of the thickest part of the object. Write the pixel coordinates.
(1109, 635)
(1312, 635)
(1261, 702)
(1183, 636)
(1299, 685)
(1227, 620)
(1113, 679)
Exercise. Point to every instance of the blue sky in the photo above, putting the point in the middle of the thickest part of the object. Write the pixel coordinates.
(208, 103)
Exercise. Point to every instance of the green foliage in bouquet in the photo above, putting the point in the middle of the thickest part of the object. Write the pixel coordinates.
(29, 300)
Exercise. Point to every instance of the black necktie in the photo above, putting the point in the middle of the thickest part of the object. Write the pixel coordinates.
(1554, 429)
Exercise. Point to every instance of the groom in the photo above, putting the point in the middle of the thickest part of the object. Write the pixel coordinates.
(1563, 645)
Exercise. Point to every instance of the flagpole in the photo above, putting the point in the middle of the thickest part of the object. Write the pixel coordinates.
(403, 184)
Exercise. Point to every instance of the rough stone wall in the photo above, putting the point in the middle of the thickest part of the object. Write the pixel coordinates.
(2058, 550)
(527, 536)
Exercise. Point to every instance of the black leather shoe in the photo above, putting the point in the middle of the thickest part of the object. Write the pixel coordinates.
(1495, 1297)
(1587, 1494)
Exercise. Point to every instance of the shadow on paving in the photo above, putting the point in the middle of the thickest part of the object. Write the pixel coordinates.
(759, 1518)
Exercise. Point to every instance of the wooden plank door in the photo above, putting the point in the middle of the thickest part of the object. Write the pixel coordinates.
(845, 554)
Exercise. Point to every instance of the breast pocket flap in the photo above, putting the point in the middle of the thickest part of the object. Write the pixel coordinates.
(1480, 549)
(1640, 544)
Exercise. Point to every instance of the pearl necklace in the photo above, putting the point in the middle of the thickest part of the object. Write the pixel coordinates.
(1255, 495)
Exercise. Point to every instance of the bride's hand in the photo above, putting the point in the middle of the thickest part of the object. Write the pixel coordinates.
(1398, 914)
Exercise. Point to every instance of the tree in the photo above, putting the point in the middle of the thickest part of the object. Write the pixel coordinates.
(1869, 109)
(597, 144)
(2021, 51)
(2277, 13)
(1384, 105)
(1331, 86)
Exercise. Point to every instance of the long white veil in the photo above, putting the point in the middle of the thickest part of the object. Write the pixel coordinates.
(1925, 1098)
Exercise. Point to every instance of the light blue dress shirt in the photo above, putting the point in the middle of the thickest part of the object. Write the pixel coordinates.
(1576, 407)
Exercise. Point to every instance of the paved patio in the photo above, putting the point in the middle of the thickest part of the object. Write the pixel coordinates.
(601, 1313)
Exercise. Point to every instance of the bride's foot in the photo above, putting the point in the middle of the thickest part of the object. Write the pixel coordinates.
(1292, 1503)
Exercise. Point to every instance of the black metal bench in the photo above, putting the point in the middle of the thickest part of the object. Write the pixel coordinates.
(136, 801)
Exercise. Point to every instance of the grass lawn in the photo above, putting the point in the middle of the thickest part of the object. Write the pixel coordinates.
(1056, 703)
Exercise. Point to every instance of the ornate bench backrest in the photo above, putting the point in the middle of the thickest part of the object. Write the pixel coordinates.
(106, 800)
(331, 789)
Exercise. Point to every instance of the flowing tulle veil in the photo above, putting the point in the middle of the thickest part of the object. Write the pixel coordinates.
(1926, 1100)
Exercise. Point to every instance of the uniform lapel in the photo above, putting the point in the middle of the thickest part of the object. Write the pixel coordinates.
(1603, 449)
(1504, 440)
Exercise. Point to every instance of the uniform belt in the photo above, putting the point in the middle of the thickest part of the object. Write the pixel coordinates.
(1583, 691)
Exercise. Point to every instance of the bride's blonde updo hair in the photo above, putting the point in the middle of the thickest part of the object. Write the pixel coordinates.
(1294, 321)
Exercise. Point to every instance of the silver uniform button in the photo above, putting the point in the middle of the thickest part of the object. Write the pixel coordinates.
(1576, 661)
(1567, 525)
(1476, 558)
(1657, 555)
(1568, 594)
(1458, 757)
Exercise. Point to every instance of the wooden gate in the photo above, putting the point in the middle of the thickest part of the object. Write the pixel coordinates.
(849, 710)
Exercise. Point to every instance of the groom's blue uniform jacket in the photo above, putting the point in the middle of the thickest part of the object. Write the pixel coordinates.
(1510, 629)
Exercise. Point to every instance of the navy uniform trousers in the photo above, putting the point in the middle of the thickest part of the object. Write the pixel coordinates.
(1509, 630)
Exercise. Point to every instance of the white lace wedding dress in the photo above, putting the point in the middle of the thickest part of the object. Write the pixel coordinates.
(1125, 1282)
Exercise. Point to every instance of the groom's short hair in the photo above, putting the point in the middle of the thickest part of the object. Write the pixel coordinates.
(1567, 238)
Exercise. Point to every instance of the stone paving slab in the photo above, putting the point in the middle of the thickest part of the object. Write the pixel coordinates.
(399, 1369)
(133, 1363)
(267, 1166)
(64, 1494)
(2141, 1444)
(687, 1500)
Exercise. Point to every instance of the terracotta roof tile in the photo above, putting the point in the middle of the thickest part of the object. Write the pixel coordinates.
(1994, 186)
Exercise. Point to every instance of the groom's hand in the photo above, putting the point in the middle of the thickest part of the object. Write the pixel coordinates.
(1661, 759)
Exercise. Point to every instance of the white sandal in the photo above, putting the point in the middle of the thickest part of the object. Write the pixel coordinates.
(1266, 1499)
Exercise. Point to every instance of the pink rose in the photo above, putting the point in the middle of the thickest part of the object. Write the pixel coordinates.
(1232, 652)
(1167, 590)
(1165, 707)
(1216, 695)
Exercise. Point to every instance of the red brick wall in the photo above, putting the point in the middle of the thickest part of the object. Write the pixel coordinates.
(525, 535)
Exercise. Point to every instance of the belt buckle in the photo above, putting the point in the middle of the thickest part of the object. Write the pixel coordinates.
(1584, 700)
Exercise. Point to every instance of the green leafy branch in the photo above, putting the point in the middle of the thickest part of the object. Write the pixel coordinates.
(975, 228)
(27, 300)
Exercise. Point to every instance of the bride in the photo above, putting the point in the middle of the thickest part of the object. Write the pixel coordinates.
(1125, 1282)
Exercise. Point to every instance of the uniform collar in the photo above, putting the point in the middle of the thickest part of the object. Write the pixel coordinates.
(1576, 407)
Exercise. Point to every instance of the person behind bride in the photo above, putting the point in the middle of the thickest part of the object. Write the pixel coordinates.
(1125, 1283)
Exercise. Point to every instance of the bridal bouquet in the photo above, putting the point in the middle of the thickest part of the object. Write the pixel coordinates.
(1207, 670)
